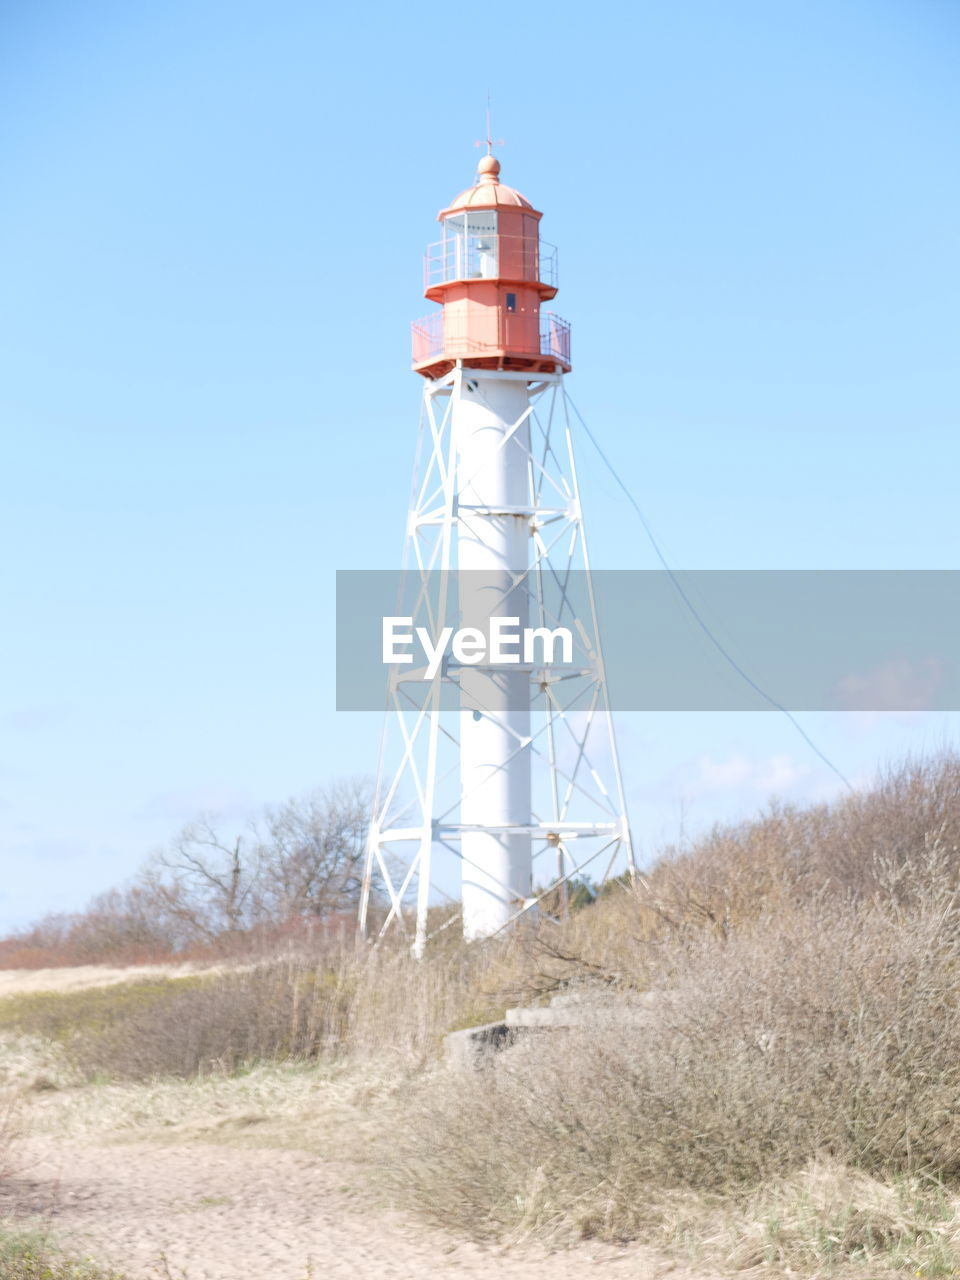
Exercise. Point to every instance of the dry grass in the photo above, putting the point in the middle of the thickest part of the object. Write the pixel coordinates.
(354, 1002)
(824, 1220)
(794, 1105)
(32, 1255)
(328, 1109)
(32, 1062)
(834, 1032)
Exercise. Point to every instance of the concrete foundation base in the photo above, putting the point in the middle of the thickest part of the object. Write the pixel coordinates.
(575, 1009)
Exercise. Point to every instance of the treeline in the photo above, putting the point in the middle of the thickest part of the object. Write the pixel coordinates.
(292, 873)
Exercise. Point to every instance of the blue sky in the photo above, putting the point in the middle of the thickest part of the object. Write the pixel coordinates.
(211, 230)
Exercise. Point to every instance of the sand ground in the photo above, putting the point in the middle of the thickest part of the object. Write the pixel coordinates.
(259, 1178)
(211, 1212)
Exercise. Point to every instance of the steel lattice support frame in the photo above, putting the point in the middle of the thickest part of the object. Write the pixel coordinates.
(577, 798)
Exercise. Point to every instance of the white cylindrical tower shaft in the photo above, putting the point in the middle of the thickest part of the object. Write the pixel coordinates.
(492, 431)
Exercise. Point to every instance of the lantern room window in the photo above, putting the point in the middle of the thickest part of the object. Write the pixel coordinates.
(471, 245)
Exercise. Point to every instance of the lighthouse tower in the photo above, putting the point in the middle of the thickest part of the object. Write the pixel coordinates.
(509, 780)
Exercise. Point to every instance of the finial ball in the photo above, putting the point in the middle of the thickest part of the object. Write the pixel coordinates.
(488, 169)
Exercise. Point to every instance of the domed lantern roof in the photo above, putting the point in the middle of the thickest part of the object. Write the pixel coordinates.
(488, 192)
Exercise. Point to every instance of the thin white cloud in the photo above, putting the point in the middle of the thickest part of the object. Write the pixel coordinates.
(902, 684)
(764, 776)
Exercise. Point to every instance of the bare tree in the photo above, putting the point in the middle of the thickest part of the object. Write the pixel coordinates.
(302, 858)
(206, 882)
(311, 851)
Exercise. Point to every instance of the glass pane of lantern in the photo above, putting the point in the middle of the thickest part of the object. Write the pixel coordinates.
(470, 245)
(454, 246)
(482, 243)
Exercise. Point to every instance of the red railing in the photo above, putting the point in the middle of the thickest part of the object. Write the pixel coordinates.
(554, 337)
(428, 339)
(427, 335)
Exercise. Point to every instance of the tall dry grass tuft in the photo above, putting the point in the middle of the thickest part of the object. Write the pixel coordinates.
(790, 856)
(824, 1216)
(830, 1029)
(881, 844)
(350, 1000)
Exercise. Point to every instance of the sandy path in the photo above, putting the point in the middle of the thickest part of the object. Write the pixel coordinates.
(17, 982)
(222, 1213)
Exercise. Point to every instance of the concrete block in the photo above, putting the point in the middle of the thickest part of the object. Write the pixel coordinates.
(585, 1013)
(473, 1047)
(541, 1018)
(605, 997)
(576, 1009)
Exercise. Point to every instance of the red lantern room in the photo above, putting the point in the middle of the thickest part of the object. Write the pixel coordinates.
(490, 272)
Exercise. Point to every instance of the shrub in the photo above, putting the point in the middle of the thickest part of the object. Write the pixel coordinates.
(272, 1011)
(352, 1000)
(790, 856)
(828, 1031)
